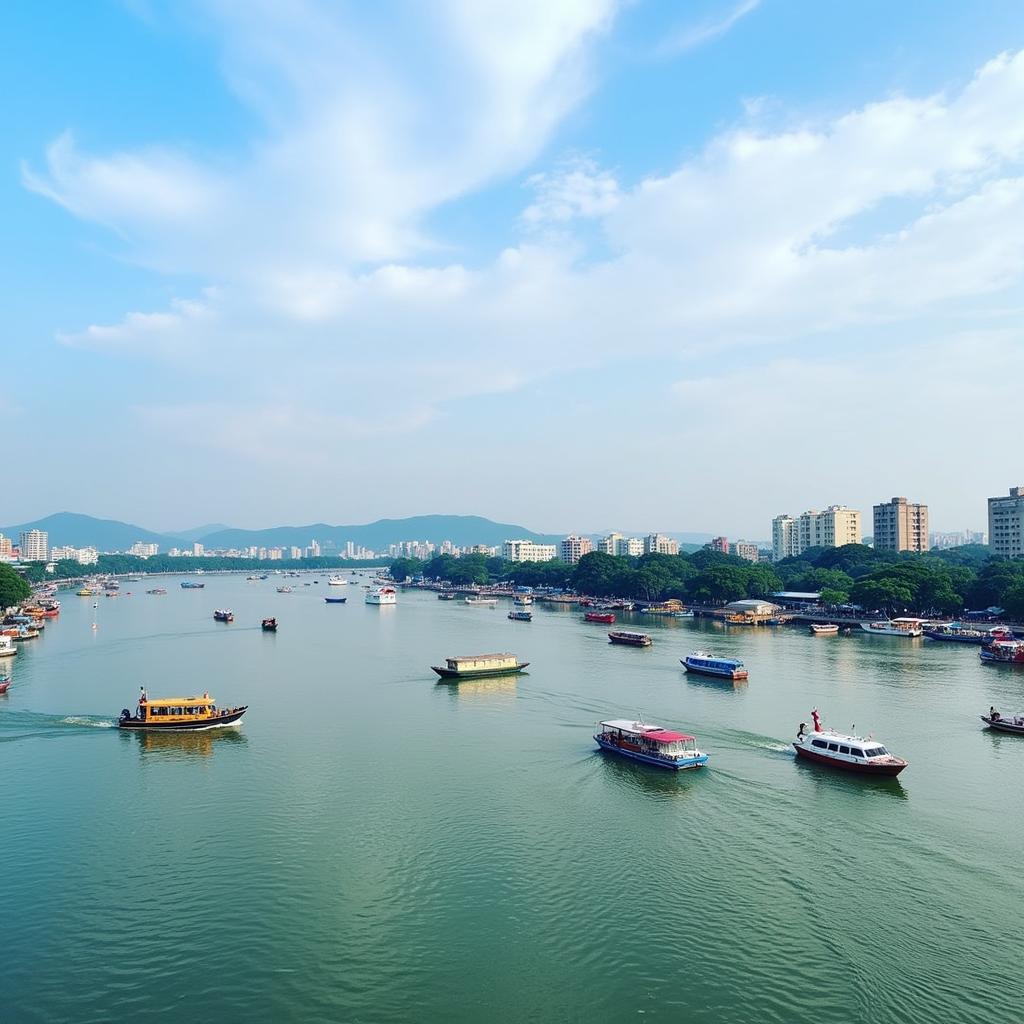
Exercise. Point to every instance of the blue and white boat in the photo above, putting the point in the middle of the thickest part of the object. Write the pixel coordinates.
(711, 665)
(650, 744)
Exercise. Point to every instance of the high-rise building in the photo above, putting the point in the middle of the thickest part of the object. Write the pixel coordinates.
(720, 544)
(144, 550)
(618, 545)
(836, 526)
(1005, 524)
(900, 525)
(6, 547)
(610, 544)
(527, 551)
(573, 548)
(659, 544)
(198, 550)
(34, 544)
(743, 549)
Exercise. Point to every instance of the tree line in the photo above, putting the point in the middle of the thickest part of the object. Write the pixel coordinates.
(941, 582)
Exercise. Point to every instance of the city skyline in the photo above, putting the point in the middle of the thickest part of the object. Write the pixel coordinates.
(288, 264)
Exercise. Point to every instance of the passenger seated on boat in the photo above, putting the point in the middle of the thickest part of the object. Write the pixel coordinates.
(801, 734)
(993, 714)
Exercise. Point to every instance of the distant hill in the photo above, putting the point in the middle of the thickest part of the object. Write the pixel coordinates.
(199, 532)
(84, 531)
(460, 530)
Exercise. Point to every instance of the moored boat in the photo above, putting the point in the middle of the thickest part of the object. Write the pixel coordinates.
(957, 633)
(382, 595)
(520, 616)
(650, 744)
(224, 615)
(5, 684)
(335, 600)
(1004, 723)
(906, 627)
(157, 590)
(630, 639)
(269, 625)
(473, 666)
(824, 629)
(706, 664)
(191, 585)
(7, 648)
(1003, 652)
(606, 617)
(284, 590)
(171, 714)
(337, 581)
(446, 595)
(865, 756)
(523, 600)
(482, 602)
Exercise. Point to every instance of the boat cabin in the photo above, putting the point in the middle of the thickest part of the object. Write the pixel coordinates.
(479, 662)
(168, 710)
(850, 746)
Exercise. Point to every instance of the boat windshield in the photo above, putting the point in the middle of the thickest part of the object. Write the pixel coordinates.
(876, 752)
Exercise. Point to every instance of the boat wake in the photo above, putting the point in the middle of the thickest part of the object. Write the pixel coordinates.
(21, 725)
(89, 721)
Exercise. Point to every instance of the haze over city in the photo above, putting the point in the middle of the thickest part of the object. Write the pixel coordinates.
(582, 267)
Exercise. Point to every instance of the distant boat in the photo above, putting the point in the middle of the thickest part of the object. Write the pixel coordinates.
(826, 629)
(335, 600)
(7, 648)
(477, 665)
(446, 595)
(482, 602)
(5, 684)
(622, 636)
(908, 627)
(191, 585)
(337, 581)
(284, 590)
(381, 596)
(523, 599)
(157, 590)
(520, 616)
(606, 617)
(958, 633)
(709, 665)
(224, 615)
(269, 625)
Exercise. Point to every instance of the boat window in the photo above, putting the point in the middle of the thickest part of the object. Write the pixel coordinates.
(834, 748)
(844, 750)
(819, 743)
(856, 752)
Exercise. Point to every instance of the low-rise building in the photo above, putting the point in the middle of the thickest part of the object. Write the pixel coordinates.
(719, 544)
(527, 551)
(746, 550)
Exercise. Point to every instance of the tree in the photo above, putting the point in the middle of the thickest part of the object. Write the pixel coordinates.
(831, 596)
(403, 568)
(719, 583)
(596, 573)
(887, 594)
(13, 589)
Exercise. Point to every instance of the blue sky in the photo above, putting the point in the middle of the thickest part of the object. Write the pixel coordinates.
(579, 265)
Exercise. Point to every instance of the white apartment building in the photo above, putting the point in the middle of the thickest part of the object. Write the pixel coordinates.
(34, 544)
(659, 544)
(144, 550)
(900, 525)
(835, 526)
(619, 545)
(6, 548)
(527, 551)
(1005, 524)
(744, 549)
(573, 548)
(84, 556)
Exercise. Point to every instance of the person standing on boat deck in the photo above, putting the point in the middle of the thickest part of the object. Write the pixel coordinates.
(801, 734)
(142, 695)
(993, 714)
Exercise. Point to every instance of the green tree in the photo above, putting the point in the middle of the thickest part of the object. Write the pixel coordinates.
(832, 596)
(13, 589)
(887, 594)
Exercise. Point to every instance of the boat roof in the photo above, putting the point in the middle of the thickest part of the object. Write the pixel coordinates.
(660, 735)
(648, 731)
(481, 657)
(164, 702)
(714, 657)
(839, 737)
(909, 618)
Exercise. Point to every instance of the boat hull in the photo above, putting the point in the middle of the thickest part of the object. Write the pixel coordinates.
(954, 639)
(335, 600)
(209, 723)
(1002, 725)
(451, 674)
(677, 765)
(991, 659)
(700, 670)
(879, 769)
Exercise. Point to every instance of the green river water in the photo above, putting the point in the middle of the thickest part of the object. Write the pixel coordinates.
(374, 846)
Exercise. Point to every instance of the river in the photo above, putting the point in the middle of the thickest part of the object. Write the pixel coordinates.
(375, 846)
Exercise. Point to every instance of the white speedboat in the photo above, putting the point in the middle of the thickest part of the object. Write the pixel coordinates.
(337, 581)
(824, 629)
(382, 595)
(906, 626)
(864, 755)
(482, 602)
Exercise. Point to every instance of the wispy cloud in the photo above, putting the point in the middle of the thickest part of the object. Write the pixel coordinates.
(689, 37)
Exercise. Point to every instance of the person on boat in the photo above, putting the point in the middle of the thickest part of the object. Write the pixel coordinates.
(817, 720)
(142, 695)
(801, 733)
(993, 714)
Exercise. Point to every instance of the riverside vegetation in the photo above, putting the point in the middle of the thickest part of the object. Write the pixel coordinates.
(941, 582)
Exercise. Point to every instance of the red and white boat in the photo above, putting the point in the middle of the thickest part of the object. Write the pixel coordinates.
(865, 756)
(5, 684)
(1003, 652)
(606, 617)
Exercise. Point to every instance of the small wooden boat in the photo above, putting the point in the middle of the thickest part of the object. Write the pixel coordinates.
(269, 625)
(172, 714)
(5, 684)
(473, 666)
(629, 639)
(606, 617)
(335, 600)
(224, 615)
(1001, 723)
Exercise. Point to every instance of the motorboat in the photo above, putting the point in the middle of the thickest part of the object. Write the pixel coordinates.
(629, 639)
(335, 600)
(224, 615)
(170, 714)
(705, 664)
(337, 581)
(849, 753)
(518, 615)
(7, 648)
(824, 629)
(650, 744)
(269, 625)
(1003, 652)
(1001, 723)
(482, 602)
(606, 617)
(383, 595)
(905, 627)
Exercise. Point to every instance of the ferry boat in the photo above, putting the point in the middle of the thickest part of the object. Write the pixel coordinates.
(848, 753)
(473, 666)
(482, 602)
(994, 720)
(269, 625)
(650, 744)
(706, 664)
(335, 600)
(337, 581)
(623, 636)
(170, 714)
(382, 595)
(520, 616)
(191, 585)
(7, 648)
(224, 615)
(998, 633)
(908, 627)
(1003, 652)
(606, 617)
(957, 633)
(824, 629)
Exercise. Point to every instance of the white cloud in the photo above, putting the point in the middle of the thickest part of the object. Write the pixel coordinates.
(689, 37)
(578, 188)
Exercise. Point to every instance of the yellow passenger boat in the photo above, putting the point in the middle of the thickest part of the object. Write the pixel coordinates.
(168, 714)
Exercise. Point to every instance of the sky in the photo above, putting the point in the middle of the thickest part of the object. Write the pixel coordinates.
(574, 264)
